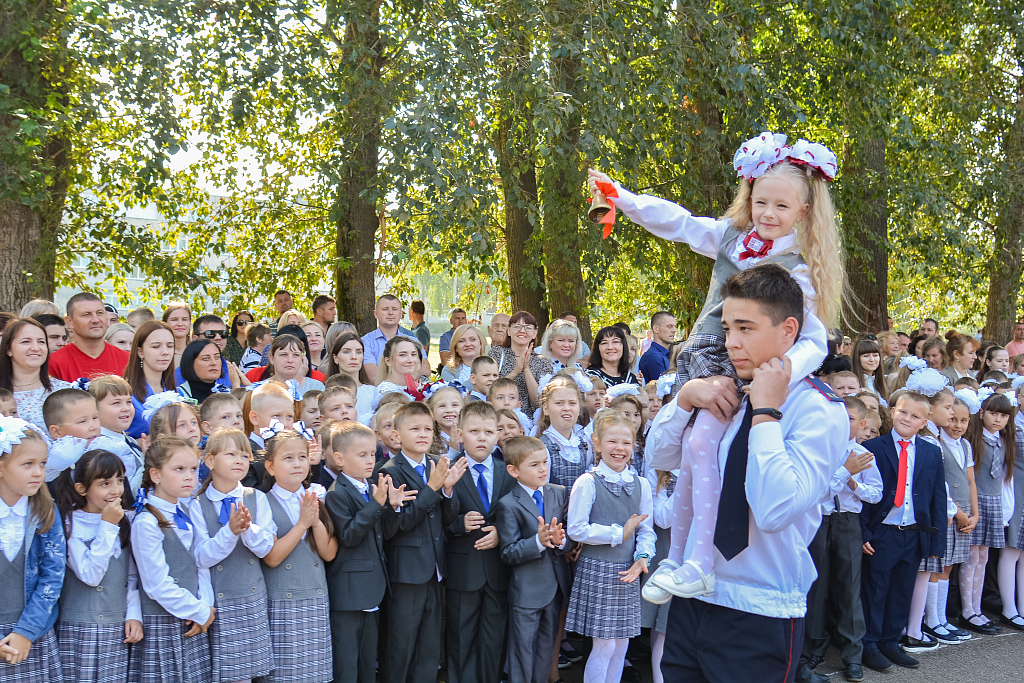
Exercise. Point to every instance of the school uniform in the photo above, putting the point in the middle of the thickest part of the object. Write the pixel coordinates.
(415, 550)
(357, 578)
(297, 600)
(601, 605)
(326, 477)
(957, 456)
(257, 467)
(539, 583)
(240, 634)
(989, 479)
(100, 593)
(477, 582)
(900, 534)
(475, 395)
(773, 477)
(837, 551)
(31, 572)
(567, 458)
(134, 460)
(174, 591)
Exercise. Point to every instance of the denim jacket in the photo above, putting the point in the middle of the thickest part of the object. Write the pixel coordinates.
(45, 559)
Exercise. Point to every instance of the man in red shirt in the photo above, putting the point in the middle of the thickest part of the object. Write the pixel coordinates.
(1016, 346)
(89, 355)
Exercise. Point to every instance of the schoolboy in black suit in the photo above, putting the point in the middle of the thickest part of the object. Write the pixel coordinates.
(477, 584)
(900, 529)
(533, 542)
(415, 549)
(357, 578)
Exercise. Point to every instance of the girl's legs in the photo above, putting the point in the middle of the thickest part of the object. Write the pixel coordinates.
(707, 489)
(943, 598)
(657, 650)
(932, 603)
(967, 582)
(606, 659)
(979, 581)
(682, 508)
(1009, 568)
(917, 605)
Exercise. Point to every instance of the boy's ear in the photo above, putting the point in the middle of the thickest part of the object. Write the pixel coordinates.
(54, 431)
(513, 471)
(253, 416)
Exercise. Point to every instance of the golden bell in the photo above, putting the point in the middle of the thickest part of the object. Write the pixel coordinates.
(599, 207)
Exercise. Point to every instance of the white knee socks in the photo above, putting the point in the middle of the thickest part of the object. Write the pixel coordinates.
(931, 613)
(941, 599)
(1009, 591)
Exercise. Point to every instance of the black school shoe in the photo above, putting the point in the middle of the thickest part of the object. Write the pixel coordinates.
(853, 672)
(958, 632)
(1016, 622)
(875, 660)
(900, 658)
(916, 645)
(563, 661)
(986, 629)
(572, 654)
(940, 636)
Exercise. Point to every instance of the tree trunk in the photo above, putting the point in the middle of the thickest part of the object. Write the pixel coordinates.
(357, 219)
(865, 230)
(564, 174)
(514, 145)
(31, 210)
(1005, 266)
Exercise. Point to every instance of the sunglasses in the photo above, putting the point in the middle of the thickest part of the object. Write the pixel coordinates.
(210, 334)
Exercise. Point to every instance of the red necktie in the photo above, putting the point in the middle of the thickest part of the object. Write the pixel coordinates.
(901, 482)
(754, 246)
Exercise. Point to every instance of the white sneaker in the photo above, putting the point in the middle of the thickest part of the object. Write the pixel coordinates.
(656, 594)
(679, 586)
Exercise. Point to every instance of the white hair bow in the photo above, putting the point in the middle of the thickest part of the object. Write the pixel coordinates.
(623, 390)
(913, 362)
(583, 382)
(970, 398)
(927, 381)
(64, 453)
(665, 383)
(301, 428)
(272, 430)
(12, 431)
(158, 401)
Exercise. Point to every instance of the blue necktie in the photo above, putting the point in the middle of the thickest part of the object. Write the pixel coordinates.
(366, 494)
(182, 520)
(225, 509)
(538, 498)
(732, 530)
(422, 471)
(481, 487)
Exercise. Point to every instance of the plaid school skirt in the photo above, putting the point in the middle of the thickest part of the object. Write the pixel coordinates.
(42, 664)
(240, 639)
(704, 355)
(165, 654)
(989, 531)
(958, 547)
(300, 631)
(93, 653)
(601, 605)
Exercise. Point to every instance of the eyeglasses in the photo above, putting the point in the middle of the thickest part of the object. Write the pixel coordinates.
(523, 328)
(210, 334)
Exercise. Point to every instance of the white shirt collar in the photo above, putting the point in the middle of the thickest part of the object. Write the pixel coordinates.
(112, 434)
(991, 437)
(488, 462)
(571, 442)
(611, 475)
(284, 494)
(896, 438)
(215, 495)
(528, 489)
(413, 464)
(19, 508)
(361, 486)
(161, 504)
(257, 439)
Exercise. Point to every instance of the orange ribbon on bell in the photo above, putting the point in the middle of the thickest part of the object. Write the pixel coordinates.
(602, 208)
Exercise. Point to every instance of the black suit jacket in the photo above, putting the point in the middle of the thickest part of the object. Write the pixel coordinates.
(469, 568)
(928, 485)
(536, 574)
(325, 479)
(414, 538)
(357, 577)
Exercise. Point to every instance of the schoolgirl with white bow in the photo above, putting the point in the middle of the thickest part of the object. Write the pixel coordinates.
(782, 214)
(294, 569)
(100, 613)
(233, 533)
(568, 452)
(177, 597)
(610, 510)
(626, 399)
(32, 560)
(993, 441)
(446, 404)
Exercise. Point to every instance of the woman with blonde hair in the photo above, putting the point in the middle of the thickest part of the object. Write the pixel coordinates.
(562, 343)
(467, 345)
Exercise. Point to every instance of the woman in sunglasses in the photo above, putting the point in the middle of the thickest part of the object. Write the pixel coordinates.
(236, 343)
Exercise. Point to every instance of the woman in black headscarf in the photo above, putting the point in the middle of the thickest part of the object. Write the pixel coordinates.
(201, 367)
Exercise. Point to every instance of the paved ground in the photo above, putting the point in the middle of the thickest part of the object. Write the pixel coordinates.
(993, 659)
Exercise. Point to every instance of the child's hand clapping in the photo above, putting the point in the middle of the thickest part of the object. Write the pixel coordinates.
(240, 519)
(309, 510)
(399, 497)
(380, 489)
(438, 473)
(454, 473)
(631, 524)
(316, 451)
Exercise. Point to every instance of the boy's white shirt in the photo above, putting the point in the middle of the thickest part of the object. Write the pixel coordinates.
(869, 486)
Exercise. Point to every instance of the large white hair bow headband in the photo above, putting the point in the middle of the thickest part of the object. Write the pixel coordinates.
(927, 381)
(757, 155)
(158, 401)
(971, 399)
(623, 390)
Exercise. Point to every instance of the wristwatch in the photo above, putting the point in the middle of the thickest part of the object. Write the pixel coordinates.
(773, 413)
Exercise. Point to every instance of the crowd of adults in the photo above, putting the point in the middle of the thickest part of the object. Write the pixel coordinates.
(44, 349)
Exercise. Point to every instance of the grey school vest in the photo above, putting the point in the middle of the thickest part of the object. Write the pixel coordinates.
(300, 575)
(710, 319)
(106, 603)
(181, 566)
(987, 484)
(611, 509)
(956, 477)
(12, 573)
(240, 574)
